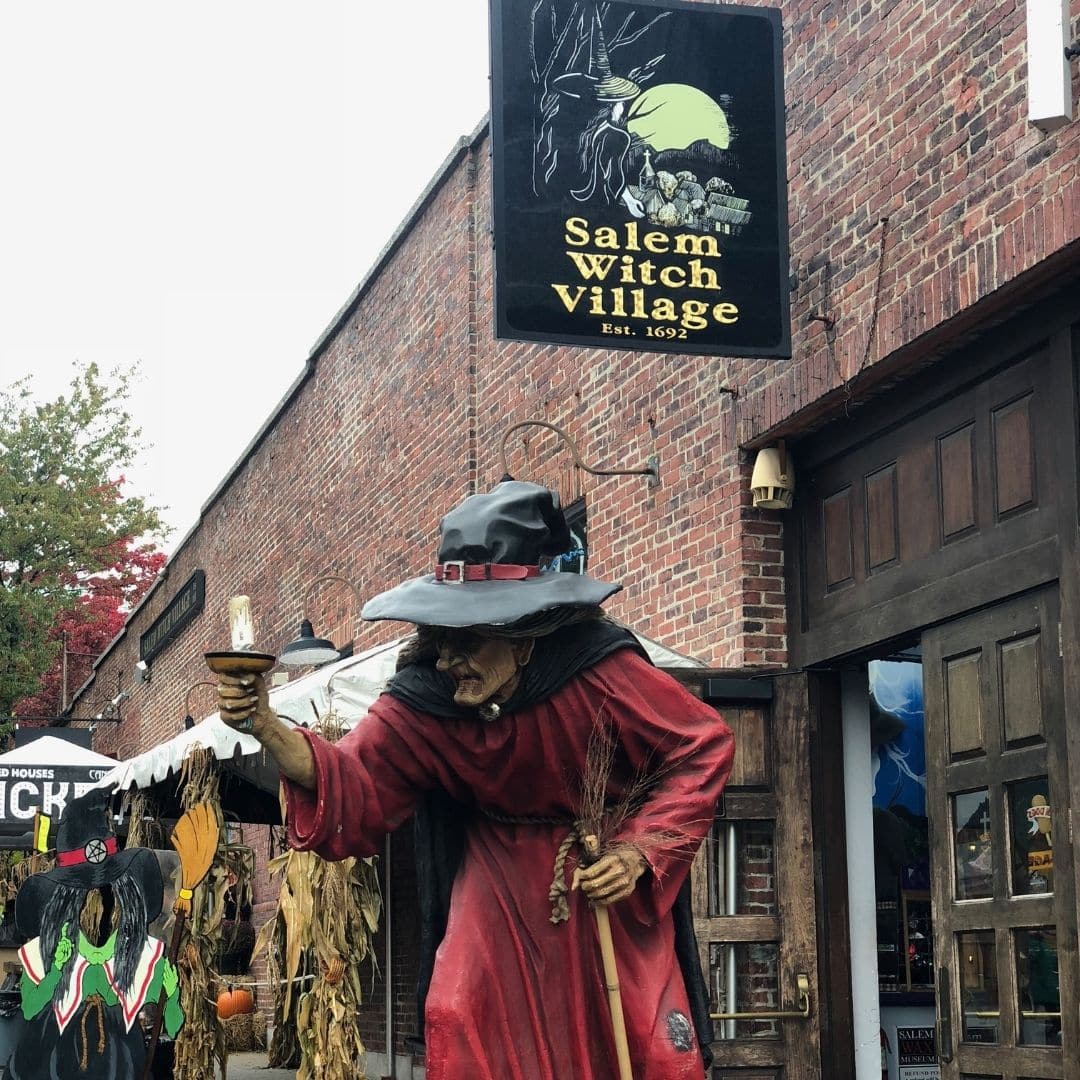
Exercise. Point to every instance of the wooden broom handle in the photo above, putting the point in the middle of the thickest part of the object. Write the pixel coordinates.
(591, 846)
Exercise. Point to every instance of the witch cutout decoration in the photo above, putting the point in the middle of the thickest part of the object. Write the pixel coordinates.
(81, 996)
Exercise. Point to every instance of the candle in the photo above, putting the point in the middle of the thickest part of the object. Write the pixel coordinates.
(240, 625)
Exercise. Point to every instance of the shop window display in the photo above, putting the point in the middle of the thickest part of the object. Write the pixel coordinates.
(901, 851)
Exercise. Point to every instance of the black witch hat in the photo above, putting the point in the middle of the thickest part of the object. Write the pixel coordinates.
(87, 857)
(491, 569)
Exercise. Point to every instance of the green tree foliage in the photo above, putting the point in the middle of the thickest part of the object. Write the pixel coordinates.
(62, 513)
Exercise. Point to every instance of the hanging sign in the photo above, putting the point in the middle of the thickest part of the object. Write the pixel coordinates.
(639, 176)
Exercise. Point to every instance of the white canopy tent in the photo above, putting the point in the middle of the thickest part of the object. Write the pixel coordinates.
(348, 687)
(43, 775)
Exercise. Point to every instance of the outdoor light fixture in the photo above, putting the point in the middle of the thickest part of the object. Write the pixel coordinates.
(142, 672)
(772, 484)
(307, 649)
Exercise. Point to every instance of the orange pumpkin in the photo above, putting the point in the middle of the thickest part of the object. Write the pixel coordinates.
(234, 1002)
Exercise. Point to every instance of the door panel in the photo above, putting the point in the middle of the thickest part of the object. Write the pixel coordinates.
(997, 792)
(754, 890)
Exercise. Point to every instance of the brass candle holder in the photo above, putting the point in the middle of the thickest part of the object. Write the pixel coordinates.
(239, 662)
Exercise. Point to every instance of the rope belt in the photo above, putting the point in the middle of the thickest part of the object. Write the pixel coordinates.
(526, 819)
(96, 1002)
(560, 909)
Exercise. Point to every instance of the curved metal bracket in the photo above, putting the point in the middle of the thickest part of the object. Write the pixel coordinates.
(330, 577)
(195, 686)
(651, 470)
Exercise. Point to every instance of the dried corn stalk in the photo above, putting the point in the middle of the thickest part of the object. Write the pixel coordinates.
(145, 826)
(201, 1040)
(15, 868)
(322, 932)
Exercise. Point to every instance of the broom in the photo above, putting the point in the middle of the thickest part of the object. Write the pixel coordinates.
(196, 841)
(591, 846)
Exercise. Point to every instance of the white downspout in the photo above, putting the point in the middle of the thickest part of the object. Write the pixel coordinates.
(862, 899)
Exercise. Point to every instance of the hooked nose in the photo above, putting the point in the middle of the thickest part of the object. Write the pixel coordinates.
(448, 658)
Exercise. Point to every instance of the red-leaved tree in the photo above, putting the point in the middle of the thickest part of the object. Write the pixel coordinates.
(103, 601)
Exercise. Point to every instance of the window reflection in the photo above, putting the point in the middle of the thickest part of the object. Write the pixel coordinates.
(973, 845)
(1031, 839)
(1037, 986)
(979, 986)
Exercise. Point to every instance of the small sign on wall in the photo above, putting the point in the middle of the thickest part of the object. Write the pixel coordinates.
(181, 610)
(916, 1054)
(640, 181)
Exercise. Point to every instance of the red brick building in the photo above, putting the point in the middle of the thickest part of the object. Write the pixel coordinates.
(935, 273)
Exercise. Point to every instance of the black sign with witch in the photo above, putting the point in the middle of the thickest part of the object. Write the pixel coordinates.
(639, 176)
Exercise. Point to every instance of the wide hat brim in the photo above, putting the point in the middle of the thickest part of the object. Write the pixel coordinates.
(140, 863)
(427, 602)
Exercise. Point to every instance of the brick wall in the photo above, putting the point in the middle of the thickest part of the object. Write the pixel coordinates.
(910, 112)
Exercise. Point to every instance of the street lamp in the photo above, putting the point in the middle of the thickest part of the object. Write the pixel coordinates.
(307, 649)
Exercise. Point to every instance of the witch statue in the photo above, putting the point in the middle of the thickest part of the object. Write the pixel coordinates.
(82, 990)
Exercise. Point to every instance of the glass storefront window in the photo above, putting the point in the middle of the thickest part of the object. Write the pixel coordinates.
(750, 845)
(1031, 846)
(979, 998)
(1037, 986)
(973, 845)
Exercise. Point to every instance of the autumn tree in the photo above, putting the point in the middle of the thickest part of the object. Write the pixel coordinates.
(64, 520)
(82, 632)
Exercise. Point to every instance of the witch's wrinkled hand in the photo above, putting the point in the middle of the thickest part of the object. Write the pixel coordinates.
(244, 702)
(64, 948)
(170, 979)
(613, 876)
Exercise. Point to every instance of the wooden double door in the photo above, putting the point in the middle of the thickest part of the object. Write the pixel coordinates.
(1003, 887)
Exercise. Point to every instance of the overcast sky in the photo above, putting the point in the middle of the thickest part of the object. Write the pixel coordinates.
(199, 186)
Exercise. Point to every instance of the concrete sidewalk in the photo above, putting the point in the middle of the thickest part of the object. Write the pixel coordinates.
(253, 1067)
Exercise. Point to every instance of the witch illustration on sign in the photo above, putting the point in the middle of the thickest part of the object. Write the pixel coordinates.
(604, 145)
(82, 991)
(675, 125)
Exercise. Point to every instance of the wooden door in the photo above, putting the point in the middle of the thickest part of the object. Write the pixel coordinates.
(754, 888)
(1001, 858)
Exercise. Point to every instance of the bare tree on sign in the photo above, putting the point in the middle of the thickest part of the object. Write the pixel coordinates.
(557, 45)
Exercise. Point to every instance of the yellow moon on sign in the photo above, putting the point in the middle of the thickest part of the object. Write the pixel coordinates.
(672, 116)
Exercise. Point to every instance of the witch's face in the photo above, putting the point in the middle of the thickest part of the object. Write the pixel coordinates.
(483, 668)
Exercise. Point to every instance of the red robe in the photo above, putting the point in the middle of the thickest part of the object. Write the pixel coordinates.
(513, 996)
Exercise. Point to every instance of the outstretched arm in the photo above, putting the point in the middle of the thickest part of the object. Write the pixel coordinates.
(244, 704)
(343, 798)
